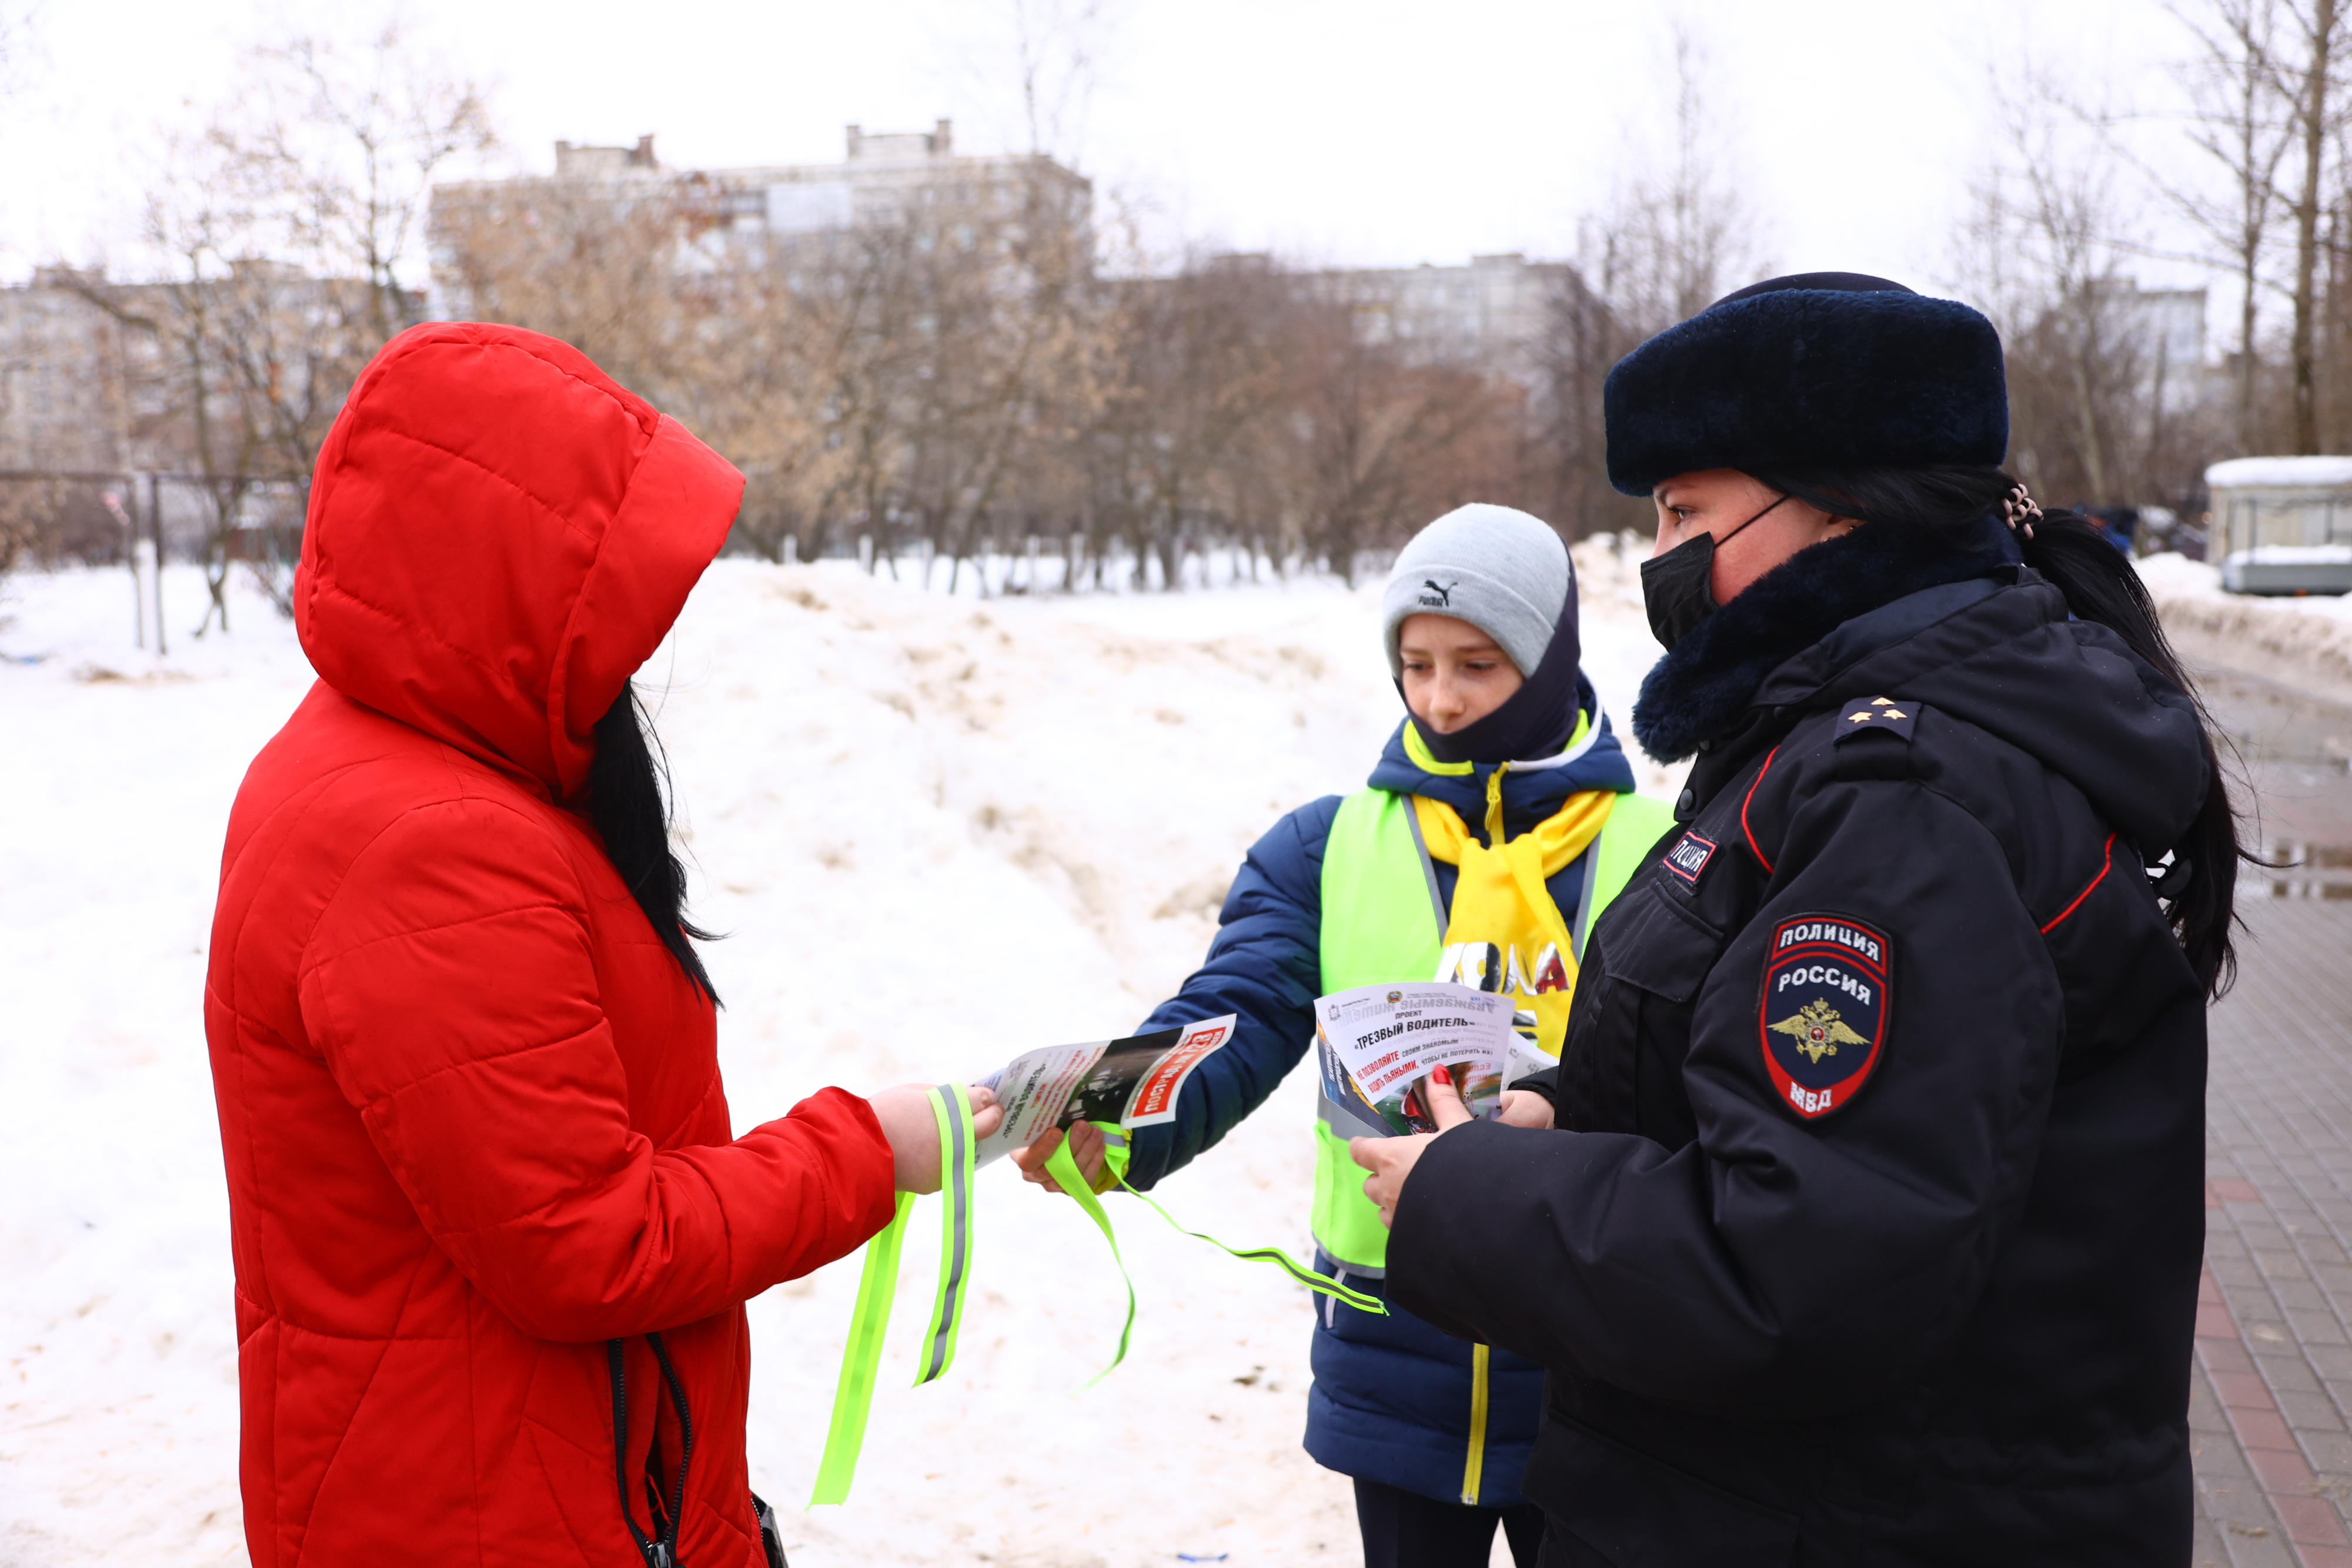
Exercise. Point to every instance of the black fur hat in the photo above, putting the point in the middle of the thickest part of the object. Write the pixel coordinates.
(1821, 369)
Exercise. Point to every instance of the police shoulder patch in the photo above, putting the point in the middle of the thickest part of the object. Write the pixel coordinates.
(1822, 1014)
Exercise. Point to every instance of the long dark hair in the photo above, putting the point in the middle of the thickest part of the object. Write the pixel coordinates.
(628, 799)
(2100, 585)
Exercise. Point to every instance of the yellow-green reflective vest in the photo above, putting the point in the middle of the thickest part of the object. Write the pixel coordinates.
(1385, 922)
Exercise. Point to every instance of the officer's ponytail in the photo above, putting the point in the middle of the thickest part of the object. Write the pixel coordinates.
(628, 799)
(2100, 584)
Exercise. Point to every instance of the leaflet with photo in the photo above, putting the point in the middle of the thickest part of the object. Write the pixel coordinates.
(1376, 1044)
(1344, 1105)
(1133, 1083)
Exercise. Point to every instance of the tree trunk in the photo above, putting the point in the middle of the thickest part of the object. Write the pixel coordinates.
(2250, 282)
(2315, 126)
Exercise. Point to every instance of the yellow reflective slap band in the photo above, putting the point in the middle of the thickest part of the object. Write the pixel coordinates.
(958, 1160)
(1275, 1256)
(861, 1358)
(1065, 1171)
(853, 1396)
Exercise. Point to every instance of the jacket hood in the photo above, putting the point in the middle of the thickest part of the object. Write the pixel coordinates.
(498, 536)
(1532, 791)
(2005, 654)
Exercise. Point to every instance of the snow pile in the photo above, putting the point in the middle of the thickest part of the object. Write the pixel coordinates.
(2304, 642)
(937, 832)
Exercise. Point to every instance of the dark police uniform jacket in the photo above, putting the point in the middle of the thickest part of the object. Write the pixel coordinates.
(1875, 1232)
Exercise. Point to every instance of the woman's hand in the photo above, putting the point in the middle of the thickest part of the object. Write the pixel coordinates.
(1086, 1148)
(1390, 1160)
(1526, 1108)
(913, 1129)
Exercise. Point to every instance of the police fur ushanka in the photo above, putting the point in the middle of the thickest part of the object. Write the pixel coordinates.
(1816, 371)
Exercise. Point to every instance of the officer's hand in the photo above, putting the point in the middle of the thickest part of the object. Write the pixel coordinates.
(1526, 1108)
(907, 1121)
(1086, 1148)
(1446, 1107)
(1390, 1160)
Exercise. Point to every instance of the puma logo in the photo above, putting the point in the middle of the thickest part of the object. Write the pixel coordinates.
(1443, 597)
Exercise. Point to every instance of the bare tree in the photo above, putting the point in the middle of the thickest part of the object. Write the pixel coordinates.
(1196, 376)
(2050, 241)
(345, 144)
(2308, 74)
(1584, 339)
(1375, 444)
(282, 221)
(2238, 118)
(726, 345)
(1678, 232)
(1055, 46)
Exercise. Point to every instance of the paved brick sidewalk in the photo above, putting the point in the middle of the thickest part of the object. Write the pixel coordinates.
(2270, 1403)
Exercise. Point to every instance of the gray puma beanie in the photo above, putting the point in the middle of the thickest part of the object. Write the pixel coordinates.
(1502, 571)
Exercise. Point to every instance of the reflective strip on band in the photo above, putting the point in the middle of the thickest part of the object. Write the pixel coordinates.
(957, 1159)
(861, 1358)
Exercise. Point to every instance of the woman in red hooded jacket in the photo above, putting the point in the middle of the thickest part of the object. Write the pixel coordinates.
(493, 1230)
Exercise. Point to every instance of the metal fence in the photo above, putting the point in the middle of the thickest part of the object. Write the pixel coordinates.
(139, 518)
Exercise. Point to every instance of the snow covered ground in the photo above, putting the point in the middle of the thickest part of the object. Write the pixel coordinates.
(2301, 642)
(937, 831)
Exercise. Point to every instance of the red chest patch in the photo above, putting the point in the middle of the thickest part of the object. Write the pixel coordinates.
(1823, 1015)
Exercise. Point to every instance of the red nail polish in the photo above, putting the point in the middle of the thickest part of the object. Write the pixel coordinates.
(1441, 1076)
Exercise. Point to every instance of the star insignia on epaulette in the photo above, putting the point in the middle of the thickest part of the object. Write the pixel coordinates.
(1862, 717)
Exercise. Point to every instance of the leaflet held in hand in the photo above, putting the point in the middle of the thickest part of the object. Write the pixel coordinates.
(1376, 1044)
(1133, 1083)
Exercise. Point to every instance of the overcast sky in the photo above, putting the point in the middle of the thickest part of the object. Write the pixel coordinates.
(1352, 131)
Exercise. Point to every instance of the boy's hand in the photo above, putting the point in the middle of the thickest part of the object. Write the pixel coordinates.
(1086, 1148)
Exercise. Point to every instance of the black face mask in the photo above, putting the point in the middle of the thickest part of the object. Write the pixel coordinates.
(1677, 586)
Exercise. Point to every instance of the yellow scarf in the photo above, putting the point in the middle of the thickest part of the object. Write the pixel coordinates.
(1502, 909)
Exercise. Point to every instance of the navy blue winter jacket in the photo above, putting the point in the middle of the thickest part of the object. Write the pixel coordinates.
(1391, 1396)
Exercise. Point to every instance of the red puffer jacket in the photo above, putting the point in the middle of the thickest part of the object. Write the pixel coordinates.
(471, 1106)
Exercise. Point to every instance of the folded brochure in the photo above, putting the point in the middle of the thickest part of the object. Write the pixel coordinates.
(1134, 1082)
(1376, 1044)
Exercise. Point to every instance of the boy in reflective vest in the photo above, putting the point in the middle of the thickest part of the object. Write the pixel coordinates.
(1500, 820)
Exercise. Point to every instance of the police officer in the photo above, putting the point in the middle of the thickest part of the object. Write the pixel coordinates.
(1498, 820)
(1873, 1230)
